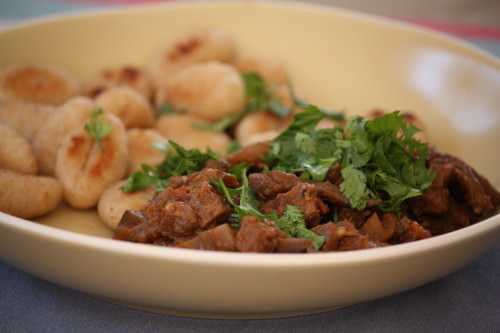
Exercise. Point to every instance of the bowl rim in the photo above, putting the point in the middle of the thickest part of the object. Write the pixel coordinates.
(53, 234)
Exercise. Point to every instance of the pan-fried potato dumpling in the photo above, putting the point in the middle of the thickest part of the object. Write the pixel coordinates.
(209, 45)
(114, 202)
(141, 150)
(72, 115)
(179, 128)
(128, 105)
(16, 153)
(26, 118)
(128, 75)
(270, 70)
(86, 167)
(209, 90)
(37, 84)
(28, 196)
(256, 123)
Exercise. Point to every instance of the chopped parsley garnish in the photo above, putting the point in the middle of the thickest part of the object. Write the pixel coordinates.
(97, 127)
(380, 158)
(179, 161)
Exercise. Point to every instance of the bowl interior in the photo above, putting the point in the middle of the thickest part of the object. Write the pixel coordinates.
(334, 58)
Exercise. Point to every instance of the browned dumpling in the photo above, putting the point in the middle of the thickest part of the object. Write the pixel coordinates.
(209, 45)
(16, 153)
(141, 150)
(259, 126)
(131, 76)
(128, 105)
(272, 71)
(181, 129)
(26, 118)
(114, 202)
(73, 114)
(87, 167)
(28, 196)
(210, 90)
(37, 84)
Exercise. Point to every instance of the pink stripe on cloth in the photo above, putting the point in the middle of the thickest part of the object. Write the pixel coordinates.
(460, 30)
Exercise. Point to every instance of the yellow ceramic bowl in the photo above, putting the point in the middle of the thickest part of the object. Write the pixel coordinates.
(335, 58)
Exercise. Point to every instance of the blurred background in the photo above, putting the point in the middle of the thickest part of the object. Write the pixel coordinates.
(475, 20)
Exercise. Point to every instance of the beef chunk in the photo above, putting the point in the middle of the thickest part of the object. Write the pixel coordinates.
(354, 216)
(217, 164)
(211, 175)
(294, 245)
(342, 236)
(302, 195)
(252, 155)
(268, 185)
(256, 236)
(334, 175)
(435, 199)
(380, 230)
(458, 216)
(408, 231)
(129, 221)
(208, 204)
(182, 210)
(220, 238)
(330, 193)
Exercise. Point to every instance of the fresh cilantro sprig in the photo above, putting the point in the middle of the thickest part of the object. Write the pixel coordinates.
(98, 127)
(179, 161)
(380, 158)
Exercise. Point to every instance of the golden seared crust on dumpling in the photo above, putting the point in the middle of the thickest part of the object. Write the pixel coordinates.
(26, 118)
(128, 105)
(28, 196)
(141, 150)
(37, 84)
(208, 45)
(73, 114)
(131, 76)
(209, 90)
(16, 153)
(114, 202)
(86, 167)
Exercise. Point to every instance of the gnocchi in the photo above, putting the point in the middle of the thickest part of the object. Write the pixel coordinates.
(141, 150)
(209, 90)
(114, 202)
(28, 196)
(87, 167)
(16, 153)
(128, 105)
(37, 84)
(179, 128)
(209, 45)
(131, 76)
(73, 114)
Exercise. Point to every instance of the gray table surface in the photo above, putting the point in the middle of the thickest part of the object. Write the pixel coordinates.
(466, 301)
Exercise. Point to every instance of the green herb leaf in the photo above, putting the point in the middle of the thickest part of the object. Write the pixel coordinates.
(259, 96)
(97, 127)
(292, 222)
(166, 109)
(178, 161)
(354, 187)
(233, 146)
